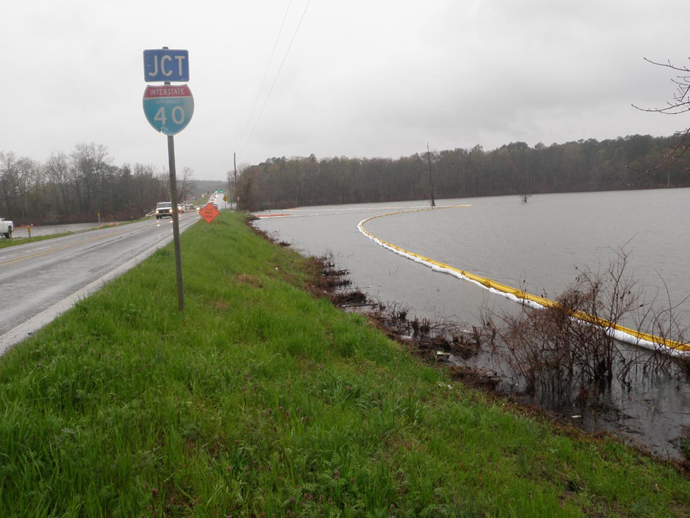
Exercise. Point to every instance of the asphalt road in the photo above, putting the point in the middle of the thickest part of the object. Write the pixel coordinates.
(217, 198)
(38, 281)
(47, 230)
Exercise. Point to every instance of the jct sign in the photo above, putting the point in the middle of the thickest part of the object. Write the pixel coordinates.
(166, 65)
(168, 108)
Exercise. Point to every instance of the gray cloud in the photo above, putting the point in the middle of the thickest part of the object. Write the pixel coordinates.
(374, 78)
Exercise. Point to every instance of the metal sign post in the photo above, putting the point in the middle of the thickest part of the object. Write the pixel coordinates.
(169, 109)
(176, 222)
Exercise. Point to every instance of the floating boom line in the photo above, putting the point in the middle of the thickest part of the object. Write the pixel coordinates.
(621, 333)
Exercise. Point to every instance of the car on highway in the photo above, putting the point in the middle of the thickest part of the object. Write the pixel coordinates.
(164, 209)
(6, 228)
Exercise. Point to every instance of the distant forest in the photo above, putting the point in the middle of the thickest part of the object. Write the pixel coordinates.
(516, 168)
(77, 187)
(200, 187)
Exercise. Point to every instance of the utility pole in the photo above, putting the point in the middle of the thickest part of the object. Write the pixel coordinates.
(431, 177)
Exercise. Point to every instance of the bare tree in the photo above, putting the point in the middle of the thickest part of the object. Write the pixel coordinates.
(185, 185)
(91, 165)
(678, 105)
(569, 347)
(31, 180)
(8, 183)
(57, 169)
(681, 98)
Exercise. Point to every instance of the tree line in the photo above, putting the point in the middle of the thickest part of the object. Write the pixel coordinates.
(630, 162)
(76, 187)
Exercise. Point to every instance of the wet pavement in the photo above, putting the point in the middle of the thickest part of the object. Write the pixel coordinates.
(40, 280)
(47, 230)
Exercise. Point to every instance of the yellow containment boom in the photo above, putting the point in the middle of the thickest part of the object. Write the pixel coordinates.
(618, 332)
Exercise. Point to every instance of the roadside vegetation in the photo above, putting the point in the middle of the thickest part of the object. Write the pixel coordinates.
(633, 162)
(559, 353)
(75, 186)
(264, 400)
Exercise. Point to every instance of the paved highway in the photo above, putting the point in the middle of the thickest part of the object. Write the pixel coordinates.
(217, 198)
(38, 281)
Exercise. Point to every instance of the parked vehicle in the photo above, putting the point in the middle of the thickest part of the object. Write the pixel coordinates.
(164, 210)
(6, 228)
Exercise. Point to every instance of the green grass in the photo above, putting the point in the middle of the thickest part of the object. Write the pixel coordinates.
(263, 399)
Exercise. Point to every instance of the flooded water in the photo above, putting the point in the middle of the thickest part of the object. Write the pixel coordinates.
(536, 246)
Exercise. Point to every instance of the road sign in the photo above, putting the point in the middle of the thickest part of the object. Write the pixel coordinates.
(209, 212)
(166, 65)
(168, 108)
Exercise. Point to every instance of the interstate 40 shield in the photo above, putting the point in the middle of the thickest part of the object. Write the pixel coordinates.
(168, 108)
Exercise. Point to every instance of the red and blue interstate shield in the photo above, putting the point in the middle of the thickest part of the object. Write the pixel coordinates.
(168, 108)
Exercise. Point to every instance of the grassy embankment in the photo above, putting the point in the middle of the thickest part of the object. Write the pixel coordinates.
(263, 399)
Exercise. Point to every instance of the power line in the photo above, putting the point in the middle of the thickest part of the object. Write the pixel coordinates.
(270, 61)
(276, 78)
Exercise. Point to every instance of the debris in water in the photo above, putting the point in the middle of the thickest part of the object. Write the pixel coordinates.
(442, 356)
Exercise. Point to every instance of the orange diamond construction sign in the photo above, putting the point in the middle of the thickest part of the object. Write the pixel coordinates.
(209, 212)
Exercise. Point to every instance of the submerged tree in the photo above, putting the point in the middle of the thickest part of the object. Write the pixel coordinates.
(568, 349)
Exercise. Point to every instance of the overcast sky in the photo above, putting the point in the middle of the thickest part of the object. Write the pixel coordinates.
(374, 78)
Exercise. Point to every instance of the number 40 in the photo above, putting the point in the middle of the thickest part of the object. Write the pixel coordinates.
(177, 115)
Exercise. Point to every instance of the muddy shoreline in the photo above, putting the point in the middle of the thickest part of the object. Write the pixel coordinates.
(448, 345)
(460, 351)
